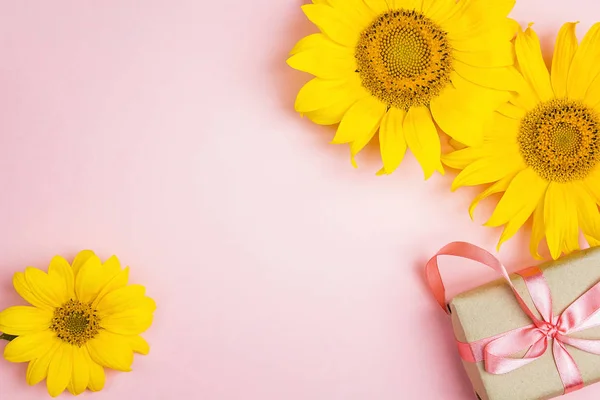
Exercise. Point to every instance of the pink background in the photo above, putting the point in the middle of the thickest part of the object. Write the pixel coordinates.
(164, 132)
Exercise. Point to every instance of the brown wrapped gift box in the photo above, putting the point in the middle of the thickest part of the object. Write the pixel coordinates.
(492, 309)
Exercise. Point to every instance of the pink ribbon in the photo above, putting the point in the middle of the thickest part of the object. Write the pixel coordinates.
(498, 352)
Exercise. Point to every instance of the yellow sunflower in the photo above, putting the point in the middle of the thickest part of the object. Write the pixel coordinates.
(83, 318)
(402, 66)
(542, 149)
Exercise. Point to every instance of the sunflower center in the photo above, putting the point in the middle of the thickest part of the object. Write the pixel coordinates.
(404, 59)
(560, 140)
(75, 322)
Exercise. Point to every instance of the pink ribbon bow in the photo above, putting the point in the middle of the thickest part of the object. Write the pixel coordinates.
(498, 352)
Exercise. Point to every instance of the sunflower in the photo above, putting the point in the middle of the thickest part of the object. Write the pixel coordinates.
(83, 318)
(401, 67)
(542, 148)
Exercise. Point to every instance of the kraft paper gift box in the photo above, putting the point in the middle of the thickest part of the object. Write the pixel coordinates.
(481, 314)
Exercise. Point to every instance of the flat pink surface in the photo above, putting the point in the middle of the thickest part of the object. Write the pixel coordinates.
(164, 132)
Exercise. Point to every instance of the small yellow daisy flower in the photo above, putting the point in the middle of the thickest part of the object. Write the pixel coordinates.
(401, 67)
(543, 147)
(83, 318)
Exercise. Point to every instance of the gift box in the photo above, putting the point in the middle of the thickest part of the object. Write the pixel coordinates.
(532, 335)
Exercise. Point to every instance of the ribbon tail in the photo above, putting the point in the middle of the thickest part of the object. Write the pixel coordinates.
(567, 368)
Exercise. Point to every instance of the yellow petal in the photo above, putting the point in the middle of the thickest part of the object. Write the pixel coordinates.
(62, 270)
(538, 231)
(489, 169)
(592, 183)
(391, 139)
(497, 187)
(462, 110)
(531, 62)
(81, 258)
(130, 322)
(587, 211)
(31, 346)
(378, 6)
(511, 111)
(50, 289)
(81, 370)
(320, 94)
(23, 320)
(356, 12)
(333, 114)
(25, 291)
(120, 279)
(501, 56)
(564, 51)
(111, 350)
(558, 210)
(406, 4)
(585, 66)
(37, 370)
(502, 78)
(332, 24)
(97, 377)
(372, 116)
(59, 370)
(519, 201)
(138, 344)
(327, 60)
(438, 10)
(361, 120)
(423, 140)
(91, 279)
(120, 300)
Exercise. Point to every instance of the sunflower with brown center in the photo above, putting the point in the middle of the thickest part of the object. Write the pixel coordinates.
(403, 68)
(542, 148)
(83, 318)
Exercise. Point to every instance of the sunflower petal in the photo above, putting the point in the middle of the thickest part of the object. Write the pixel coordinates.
(91, 279)
(327, 60)
(319, 94)
(465, 98)
(24, 320)
(111, 350)
(511, 111)
(391, 139)
(556, 214)
(587, 211)
(332, 24)
(138, 344)
(27, 293)
(130, 322)
(81, 370)
(423, 140)
(29, 347)
(362, 119)
(585, 66)
(62, 270)
(538, 231)
(50, 289)
(502, 78)
(37, 370)
(97, 376)
(514, 205)
(123, 299)
(489, 169)
(120, 279)
(59, 370)
(564, 51)
(80, 259)
(531, 62)
(497, 187)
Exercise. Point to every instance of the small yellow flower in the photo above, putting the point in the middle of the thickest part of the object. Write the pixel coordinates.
(542, 149)
(83, 318)
(405, 68)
